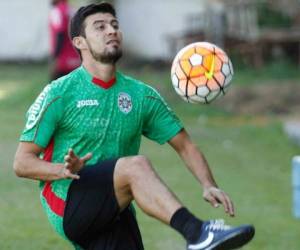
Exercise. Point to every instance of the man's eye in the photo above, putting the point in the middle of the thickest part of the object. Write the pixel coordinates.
(115, 26)
(101, 27)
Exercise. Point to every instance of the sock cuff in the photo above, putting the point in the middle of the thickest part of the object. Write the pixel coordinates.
(186, 223)
(181, 213)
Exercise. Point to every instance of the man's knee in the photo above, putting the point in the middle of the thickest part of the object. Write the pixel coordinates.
(140, 162)
(128, 172)
(134, 166)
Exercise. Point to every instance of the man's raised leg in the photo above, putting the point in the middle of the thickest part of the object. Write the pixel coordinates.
(135, 179)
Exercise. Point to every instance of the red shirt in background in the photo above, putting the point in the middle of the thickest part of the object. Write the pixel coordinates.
(68, 59)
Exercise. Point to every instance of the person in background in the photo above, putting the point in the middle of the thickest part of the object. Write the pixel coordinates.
(63, 56)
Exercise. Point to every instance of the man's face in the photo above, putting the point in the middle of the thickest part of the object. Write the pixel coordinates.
(103, 37)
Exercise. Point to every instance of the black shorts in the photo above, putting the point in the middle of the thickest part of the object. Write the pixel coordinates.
(92, 217)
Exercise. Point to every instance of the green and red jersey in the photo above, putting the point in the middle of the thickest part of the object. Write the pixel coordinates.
(84, 113)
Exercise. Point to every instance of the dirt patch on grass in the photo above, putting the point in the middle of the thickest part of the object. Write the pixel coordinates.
(279, 98)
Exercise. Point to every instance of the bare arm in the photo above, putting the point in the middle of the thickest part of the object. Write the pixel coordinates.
(27, 164)
(197, 164)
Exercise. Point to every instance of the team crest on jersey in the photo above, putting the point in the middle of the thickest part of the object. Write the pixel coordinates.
(124, 102)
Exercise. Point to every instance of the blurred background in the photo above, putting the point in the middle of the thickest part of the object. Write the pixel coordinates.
(249, 136)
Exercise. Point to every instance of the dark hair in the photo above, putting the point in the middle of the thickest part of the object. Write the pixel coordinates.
(77, 22)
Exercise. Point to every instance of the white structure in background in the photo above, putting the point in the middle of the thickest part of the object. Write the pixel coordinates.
(24, 29)
(146, 25)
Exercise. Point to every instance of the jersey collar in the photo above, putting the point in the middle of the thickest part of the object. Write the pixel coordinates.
(97, 81)
(105, 85)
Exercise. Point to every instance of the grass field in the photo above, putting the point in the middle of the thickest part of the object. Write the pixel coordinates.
(249, 155)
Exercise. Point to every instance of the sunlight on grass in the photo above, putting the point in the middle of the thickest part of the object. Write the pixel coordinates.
(7, 89)
(3, 94)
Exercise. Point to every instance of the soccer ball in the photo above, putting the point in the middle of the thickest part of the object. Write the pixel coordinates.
(201, 72)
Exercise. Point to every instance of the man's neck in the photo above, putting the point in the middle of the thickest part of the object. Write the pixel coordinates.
(105, 72)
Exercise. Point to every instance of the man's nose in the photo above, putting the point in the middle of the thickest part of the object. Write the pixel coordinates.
(111, 30)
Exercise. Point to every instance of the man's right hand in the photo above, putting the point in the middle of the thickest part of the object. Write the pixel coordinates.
(73, 164)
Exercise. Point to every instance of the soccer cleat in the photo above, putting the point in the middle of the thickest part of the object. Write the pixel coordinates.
(216, 235)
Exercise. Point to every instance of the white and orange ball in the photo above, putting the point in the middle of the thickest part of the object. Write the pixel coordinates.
(201, 72)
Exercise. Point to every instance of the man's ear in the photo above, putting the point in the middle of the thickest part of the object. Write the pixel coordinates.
(79, 42)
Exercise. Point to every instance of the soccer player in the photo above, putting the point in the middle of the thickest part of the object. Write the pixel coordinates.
(64, 57)
(100, 110)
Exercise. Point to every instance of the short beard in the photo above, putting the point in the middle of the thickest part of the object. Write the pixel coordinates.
(106, 57)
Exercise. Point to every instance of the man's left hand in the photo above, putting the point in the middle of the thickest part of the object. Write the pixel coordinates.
(216, 196)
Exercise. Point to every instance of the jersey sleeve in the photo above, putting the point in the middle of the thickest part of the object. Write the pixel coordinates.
(160, 122)
(42, 118)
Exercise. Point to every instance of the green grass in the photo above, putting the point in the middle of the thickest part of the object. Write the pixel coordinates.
(250, 158)
(274, 72)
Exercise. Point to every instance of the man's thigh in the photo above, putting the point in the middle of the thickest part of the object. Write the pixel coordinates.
(92, 216)
(91, 206)
(124, 235)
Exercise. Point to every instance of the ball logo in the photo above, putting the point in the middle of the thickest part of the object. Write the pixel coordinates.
(124, 102)
(36, 109)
